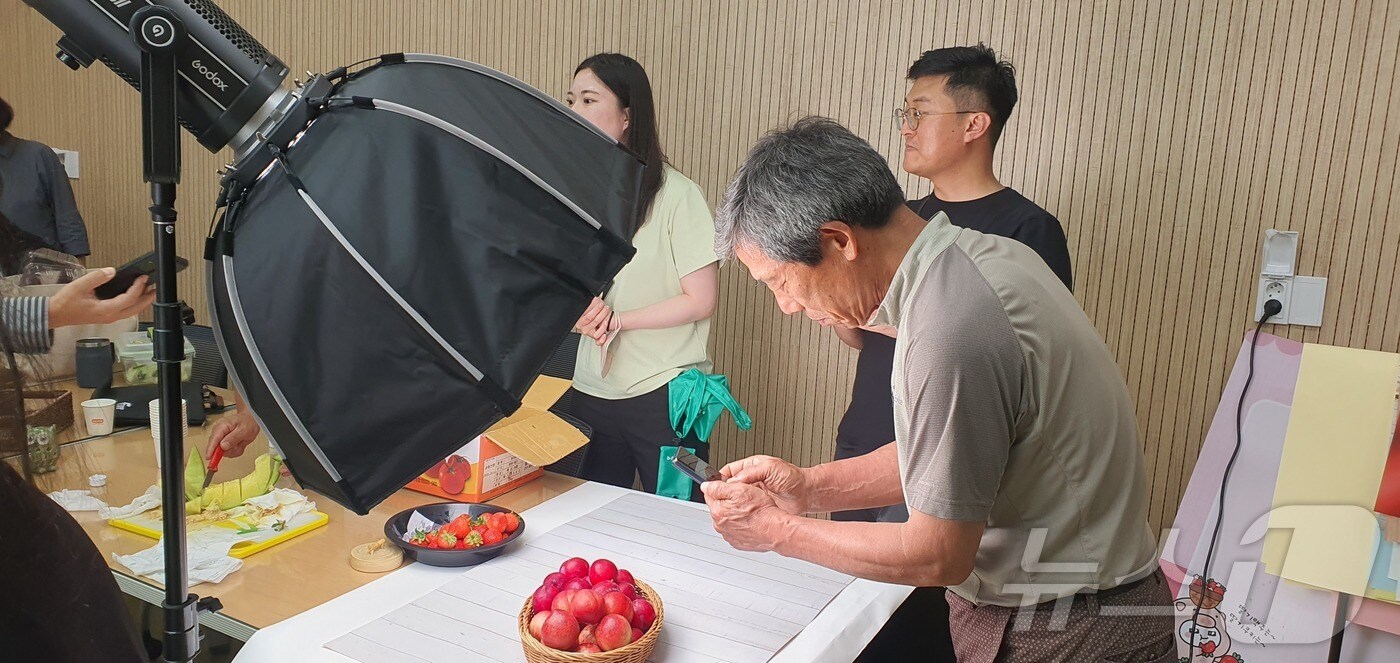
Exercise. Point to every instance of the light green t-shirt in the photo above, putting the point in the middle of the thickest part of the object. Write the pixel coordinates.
(677, 239)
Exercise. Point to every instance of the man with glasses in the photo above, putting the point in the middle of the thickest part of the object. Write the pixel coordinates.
(953, 115)
(956, 108)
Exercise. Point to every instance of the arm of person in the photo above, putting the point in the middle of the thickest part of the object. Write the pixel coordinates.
(925, 551)
(685, 218)
(867, 481)
(850, 336)
(32, 319)
(962, 391)
(234, 433)
(27, 320)
(699, 295)
(68, 223)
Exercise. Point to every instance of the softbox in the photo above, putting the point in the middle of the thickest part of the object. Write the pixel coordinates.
(392, 284)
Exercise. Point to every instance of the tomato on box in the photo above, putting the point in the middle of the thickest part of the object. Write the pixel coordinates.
(509, 454)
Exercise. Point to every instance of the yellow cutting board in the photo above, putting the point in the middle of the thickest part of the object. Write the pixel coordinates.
(257, 542)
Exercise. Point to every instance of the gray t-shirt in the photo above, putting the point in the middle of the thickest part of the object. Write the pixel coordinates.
(1009, 409)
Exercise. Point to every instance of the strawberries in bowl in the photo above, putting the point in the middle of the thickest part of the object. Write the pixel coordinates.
(590, 612)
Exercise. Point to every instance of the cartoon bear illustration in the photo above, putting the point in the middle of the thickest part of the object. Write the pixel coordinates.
(1202, 626)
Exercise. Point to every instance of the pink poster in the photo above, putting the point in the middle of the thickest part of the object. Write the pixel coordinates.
(1238, 611)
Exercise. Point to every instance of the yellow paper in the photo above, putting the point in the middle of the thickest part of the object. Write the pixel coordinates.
(1326, 546)
(1334, 454)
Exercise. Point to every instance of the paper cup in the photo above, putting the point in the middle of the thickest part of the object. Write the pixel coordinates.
(154, 411)
(99, 413)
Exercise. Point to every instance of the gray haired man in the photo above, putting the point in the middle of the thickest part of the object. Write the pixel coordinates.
(1016, 448)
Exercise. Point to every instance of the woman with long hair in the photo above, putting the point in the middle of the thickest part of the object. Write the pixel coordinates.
(654, 322)
(59, 600)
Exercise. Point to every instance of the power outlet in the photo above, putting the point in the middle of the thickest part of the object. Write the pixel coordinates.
(69, 159)
(1277, 290)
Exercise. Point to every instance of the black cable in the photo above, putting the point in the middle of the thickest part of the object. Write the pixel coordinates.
(1272, 308)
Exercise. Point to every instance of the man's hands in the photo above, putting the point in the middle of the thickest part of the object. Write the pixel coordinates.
(754, 504)
(785, 483)
(77, 303)
(745, 515)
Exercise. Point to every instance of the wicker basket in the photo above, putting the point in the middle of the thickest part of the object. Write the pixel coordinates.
(49, 408)
(636, 652)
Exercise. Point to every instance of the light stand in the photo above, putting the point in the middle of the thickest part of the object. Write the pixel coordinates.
(158, 32)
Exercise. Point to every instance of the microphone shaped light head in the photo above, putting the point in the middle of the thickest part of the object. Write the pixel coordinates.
(229, 84)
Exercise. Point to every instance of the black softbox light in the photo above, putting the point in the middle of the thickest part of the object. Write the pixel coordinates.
(394, 282)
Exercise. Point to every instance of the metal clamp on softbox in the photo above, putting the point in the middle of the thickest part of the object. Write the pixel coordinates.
(393, 281)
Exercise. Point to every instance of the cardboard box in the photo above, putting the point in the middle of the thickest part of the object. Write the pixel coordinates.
(509, 454)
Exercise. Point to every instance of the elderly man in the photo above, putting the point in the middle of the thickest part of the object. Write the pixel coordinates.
(1016, 449)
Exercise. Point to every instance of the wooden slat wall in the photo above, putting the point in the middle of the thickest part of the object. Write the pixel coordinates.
(1166, 136)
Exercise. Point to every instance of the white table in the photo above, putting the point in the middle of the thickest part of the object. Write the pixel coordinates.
(839, 632)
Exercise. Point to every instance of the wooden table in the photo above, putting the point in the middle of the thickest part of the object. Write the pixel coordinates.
(272, 585)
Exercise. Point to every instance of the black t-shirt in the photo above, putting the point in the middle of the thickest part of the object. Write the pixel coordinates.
(869, 421)
(1009, 214)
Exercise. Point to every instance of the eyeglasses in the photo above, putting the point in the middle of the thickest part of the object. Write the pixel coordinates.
(912, 116)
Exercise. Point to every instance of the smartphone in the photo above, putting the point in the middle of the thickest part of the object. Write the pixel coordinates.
(127, 274)
(694, 467)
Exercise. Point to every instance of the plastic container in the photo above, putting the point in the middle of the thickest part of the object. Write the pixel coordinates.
(136, 351)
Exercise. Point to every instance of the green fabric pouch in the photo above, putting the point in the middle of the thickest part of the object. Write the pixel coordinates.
(671, 482)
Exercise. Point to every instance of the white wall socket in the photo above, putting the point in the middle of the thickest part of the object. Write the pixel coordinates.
(1278, 289)
(1300, 296)
(69, 159)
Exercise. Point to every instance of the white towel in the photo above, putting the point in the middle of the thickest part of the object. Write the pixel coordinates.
(143, 503)
(207, 553)
(77, 500)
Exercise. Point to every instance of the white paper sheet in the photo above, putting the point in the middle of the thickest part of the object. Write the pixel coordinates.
(721, 603)
(838, 633)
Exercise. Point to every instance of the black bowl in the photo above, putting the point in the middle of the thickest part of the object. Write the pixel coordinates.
(441, 514)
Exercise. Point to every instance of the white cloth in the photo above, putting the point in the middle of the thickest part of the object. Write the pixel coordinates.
(77, 500)
(143, 503)
(839, 632)
(258, 518)
(279, 506)
(207, 555)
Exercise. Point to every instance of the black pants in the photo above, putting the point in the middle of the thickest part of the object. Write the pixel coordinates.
(627, 438)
